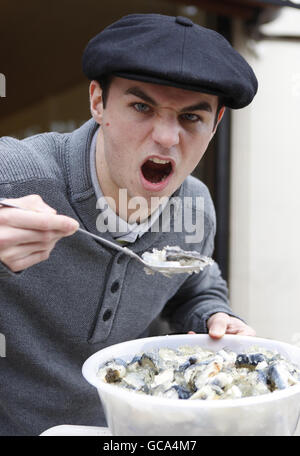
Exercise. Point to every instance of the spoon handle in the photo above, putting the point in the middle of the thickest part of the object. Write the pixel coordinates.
(111, 244)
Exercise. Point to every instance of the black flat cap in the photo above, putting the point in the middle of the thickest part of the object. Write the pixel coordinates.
(171, 51)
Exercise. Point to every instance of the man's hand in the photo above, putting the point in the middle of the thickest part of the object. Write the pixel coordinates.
(28, 237)
(220, 323)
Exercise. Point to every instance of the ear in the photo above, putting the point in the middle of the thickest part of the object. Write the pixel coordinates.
(220, 115)
(96, 105)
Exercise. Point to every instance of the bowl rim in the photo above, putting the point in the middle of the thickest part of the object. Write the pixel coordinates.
(89, 373)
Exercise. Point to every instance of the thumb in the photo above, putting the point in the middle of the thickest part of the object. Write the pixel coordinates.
(217, 325)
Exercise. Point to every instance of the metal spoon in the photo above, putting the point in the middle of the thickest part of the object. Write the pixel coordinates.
(162, 267)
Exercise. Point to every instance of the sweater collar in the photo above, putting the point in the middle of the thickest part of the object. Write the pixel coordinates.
(78, 161)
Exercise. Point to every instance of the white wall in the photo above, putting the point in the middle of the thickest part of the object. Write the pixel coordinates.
(265, 187)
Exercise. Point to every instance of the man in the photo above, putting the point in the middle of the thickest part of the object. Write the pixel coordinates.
(159, 87)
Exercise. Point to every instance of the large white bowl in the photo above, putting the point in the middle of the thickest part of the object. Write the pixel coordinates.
(129, 413)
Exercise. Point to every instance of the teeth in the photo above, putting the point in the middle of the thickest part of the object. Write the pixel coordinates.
(158, 160)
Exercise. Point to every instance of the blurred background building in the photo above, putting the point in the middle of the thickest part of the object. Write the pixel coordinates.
(251, 167)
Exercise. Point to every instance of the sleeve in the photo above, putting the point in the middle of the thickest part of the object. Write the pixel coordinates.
(18, 164)
(200, 296)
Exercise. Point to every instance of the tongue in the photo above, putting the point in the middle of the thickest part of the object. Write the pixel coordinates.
(156, 172)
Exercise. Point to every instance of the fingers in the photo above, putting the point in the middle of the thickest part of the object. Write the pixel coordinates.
(34, 217)
(217, 325)
(237, 326)
(220, 324)
(241, 331)
(20, 251)
(37, 220)
(29, 260)
(28, 237)
(15, 236)
(31, 202)
(22, 256)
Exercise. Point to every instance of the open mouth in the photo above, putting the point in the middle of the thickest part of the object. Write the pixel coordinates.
(156, 170)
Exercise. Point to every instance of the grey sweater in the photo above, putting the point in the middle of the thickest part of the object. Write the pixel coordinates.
(55, 314)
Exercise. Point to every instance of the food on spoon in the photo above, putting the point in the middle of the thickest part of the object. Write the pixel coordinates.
(172, 258)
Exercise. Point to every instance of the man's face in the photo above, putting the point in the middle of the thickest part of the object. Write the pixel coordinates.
(151, 136)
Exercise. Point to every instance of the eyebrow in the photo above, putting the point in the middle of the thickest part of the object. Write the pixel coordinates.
(202, 106)
(140, 94)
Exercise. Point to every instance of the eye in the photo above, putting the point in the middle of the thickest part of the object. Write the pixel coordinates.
(141, 107)
(189, 117)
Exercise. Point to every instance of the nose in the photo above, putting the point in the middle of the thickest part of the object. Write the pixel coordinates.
(166, 132)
